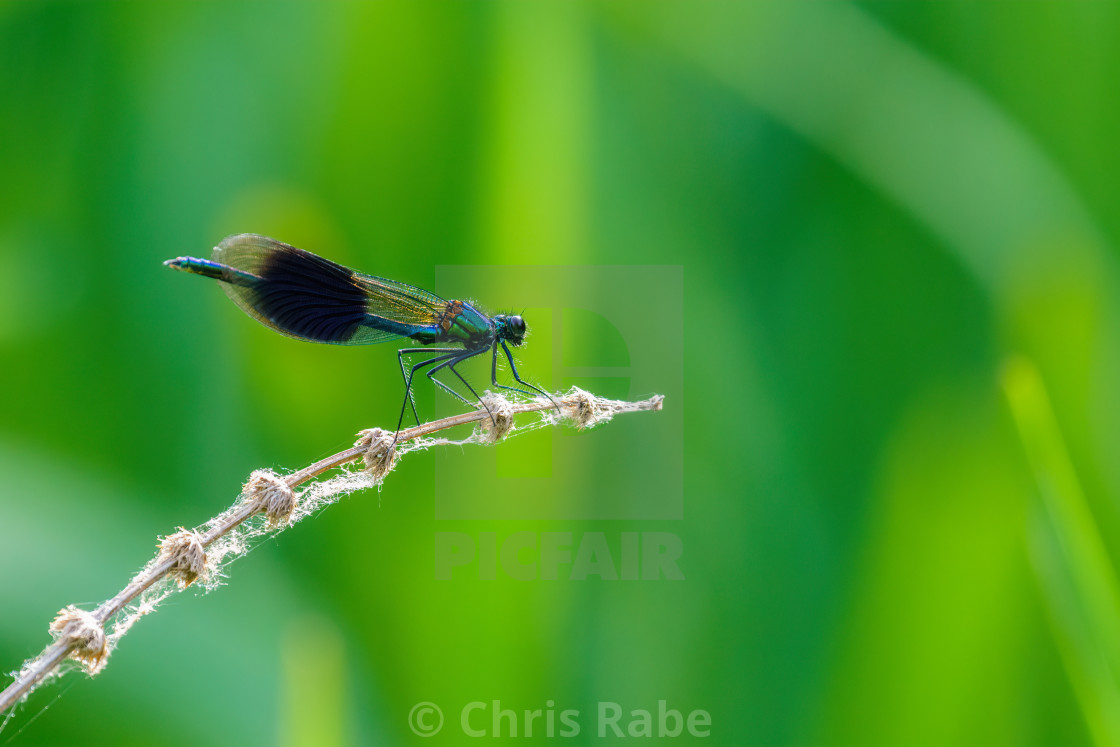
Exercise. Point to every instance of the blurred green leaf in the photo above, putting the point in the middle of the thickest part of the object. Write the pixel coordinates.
(1077, 576)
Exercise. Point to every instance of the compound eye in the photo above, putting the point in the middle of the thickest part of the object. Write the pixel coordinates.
(517, 324)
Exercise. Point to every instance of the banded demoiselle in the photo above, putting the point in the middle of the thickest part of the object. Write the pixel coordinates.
(303, 295)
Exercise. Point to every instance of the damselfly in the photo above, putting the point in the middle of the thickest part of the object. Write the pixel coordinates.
(302, 295)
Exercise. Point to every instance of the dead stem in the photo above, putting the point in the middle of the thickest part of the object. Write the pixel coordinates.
(80, 636)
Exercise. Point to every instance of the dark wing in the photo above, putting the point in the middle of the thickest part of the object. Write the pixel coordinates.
(305, 296)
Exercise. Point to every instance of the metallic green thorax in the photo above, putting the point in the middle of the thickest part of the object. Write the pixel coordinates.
(460, 322)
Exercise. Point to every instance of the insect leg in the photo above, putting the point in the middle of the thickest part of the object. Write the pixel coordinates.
(451, 364)
(518, 379)
(494, 373)
(448, 389)
(404, 374)
(411, 373)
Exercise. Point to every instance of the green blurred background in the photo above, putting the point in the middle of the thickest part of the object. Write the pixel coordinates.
(893, 409)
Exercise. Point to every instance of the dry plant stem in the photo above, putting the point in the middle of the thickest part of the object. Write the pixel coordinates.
(576, 406)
